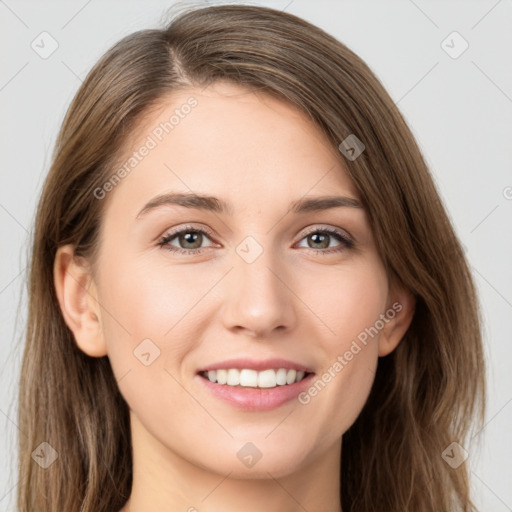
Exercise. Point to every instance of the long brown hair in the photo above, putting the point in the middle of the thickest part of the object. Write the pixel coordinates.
(427, 393)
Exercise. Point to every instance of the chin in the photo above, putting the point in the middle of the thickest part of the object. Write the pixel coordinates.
(255, 460)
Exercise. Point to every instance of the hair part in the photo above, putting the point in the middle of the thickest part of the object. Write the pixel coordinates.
(426, 393)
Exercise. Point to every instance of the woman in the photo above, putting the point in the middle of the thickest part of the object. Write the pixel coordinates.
(318, 347)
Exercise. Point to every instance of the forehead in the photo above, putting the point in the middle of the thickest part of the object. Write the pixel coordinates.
(231, 142)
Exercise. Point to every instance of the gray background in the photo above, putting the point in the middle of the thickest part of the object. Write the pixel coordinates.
(459, 109)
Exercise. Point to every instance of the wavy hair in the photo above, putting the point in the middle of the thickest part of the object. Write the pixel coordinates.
(427, 393)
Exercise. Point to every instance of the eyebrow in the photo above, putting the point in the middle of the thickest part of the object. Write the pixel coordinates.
(214, 204)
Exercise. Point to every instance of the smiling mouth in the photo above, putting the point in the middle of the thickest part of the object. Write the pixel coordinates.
(245, 377)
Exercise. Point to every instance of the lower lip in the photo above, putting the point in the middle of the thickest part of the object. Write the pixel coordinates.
(256, 399)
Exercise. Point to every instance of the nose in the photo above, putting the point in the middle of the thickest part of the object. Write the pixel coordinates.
(258, 297)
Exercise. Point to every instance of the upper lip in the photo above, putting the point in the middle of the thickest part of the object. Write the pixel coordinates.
(255, 364)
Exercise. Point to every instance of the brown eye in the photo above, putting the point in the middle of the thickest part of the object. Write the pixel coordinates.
(194, 238)
(320, 239)
(189, 240)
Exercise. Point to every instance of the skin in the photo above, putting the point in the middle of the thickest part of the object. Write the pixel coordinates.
(259, 154)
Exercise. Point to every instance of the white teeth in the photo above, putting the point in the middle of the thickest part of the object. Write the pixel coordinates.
(267, 379)
(233, 378)
(222, 376)
(248, 378)
(253, 378)
(290, 376)
(281, 376)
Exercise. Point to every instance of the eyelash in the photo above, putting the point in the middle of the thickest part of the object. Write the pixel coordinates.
(346, 243)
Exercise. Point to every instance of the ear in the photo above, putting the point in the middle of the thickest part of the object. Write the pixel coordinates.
(400, 312)
(78, 302)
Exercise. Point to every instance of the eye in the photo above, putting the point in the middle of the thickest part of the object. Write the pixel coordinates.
(191, 238)
(321, 238)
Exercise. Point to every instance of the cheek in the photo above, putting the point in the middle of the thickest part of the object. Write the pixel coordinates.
(144, 318)
(345, 301)
(144, 331)
(349, 303)
(149, 301)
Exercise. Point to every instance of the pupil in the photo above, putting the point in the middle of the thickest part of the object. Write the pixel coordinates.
(191, 237)
(323, 238)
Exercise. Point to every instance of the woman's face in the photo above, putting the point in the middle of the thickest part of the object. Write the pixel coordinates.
(254, 282)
